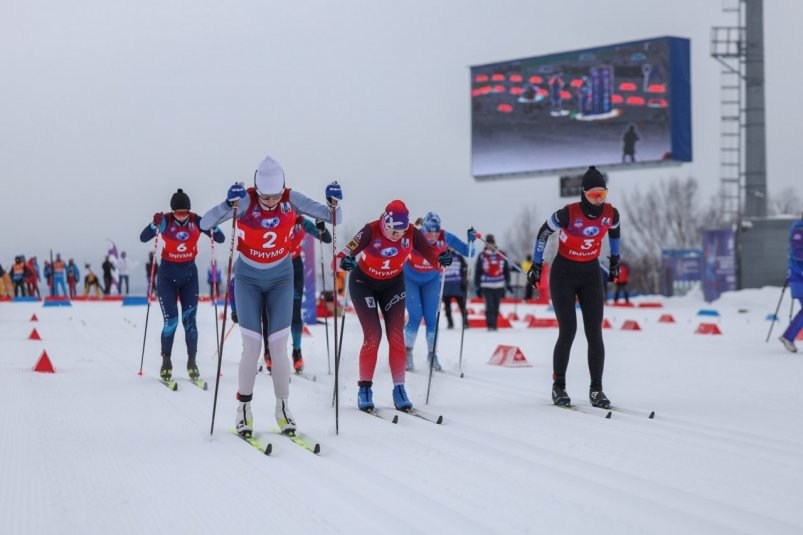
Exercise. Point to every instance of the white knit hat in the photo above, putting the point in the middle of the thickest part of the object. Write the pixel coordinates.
(269, 177)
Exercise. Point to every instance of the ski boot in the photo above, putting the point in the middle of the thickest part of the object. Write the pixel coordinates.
(192, 369)
(410, 366)
(599, 399)
(166, 373)
(244, 421)
(790, 346)
(433, 359)
(365, 396)
(400, 399)
(298, 360)
(284, 417)
(559, 396)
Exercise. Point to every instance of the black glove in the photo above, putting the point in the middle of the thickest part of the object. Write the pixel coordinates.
(320, 225)
(348, 263)
(534, 274)
(613, 268)
(233, 316)
(445, 258)
(326, 236)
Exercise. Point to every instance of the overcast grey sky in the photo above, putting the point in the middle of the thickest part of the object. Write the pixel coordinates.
(108, 107)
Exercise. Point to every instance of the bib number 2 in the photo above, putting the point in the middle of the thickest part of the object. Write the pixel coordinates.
(271, 237)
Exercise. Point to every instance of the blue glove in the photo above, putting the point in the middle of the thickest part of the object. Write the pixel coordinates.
(445, 258)
(348, 263)
(472, 235)
(334, 193)
(235, 194)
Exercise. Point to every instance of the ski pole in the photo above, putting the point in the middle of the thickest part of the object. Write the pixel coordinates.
(339, 343)
(214, 288)
(225, 309)
(326, 315)
(471, 261)
(775, 316)
(226, 337)
(437, 329)
(335, 400)
(148, 297)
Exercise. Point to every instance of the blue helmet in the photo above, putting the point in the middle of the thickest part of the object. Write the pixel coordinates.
(431, 222)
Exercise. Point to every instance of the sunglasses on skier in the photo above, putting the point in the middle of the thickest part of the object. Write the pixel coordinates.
(395, 232)
(271, 197)
(597, 194)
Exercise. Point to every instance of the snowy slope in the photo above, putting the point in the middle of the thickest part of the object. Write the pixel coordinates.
(97, 449)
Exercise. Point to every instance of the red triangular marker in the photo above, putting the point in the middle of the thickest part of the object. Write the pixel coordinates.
(34, 335)
(43, 365)
(306, 332)
(34, 318)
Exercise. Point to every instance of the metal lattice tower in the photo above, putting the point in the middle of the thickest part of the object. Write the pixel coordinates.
(740, 50)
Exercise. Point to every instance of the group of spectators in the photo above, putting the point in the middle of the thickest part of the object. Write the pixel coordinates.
(23, 278)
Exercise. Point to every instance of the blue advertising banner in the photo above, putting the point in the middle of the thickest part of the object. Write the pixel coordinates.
(686, 264)
(719, 263)
(680, 268)
(308, 314)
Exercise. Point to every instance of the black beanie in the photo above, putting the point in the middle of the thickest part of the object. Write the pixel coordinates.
(593, 179)
(181, 201)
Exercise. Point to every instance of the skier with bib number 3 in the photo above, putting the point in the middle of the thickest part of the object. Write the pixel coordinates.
(575, 277)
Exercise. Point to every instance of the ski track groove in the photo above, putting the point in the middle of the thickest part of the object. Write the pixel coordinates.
(704, 430)
(637, 488)
(355, 464)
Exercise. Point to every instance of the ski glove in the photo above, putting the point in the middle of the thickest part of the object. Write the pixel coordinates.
(472, 235)
(334, 193)
(613, 269)
(235, 194)
(233, 316)
(534, 274)
(320, 225)
(445, 258)
(348, 263)
(326, 236)
(158, 219)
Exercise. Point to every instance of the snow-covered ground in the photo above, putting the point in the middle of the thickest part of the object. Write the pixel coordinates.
(96, 449)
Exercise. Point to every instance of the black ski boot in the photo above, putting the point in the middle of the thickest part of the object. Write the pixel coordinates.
(192, 369)
(166, 373)
(599, 399)
(298, 361)
(559, 395)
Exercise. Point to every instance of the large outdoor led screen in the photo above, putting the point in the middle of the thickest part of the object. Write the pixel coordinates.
(622, 104)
